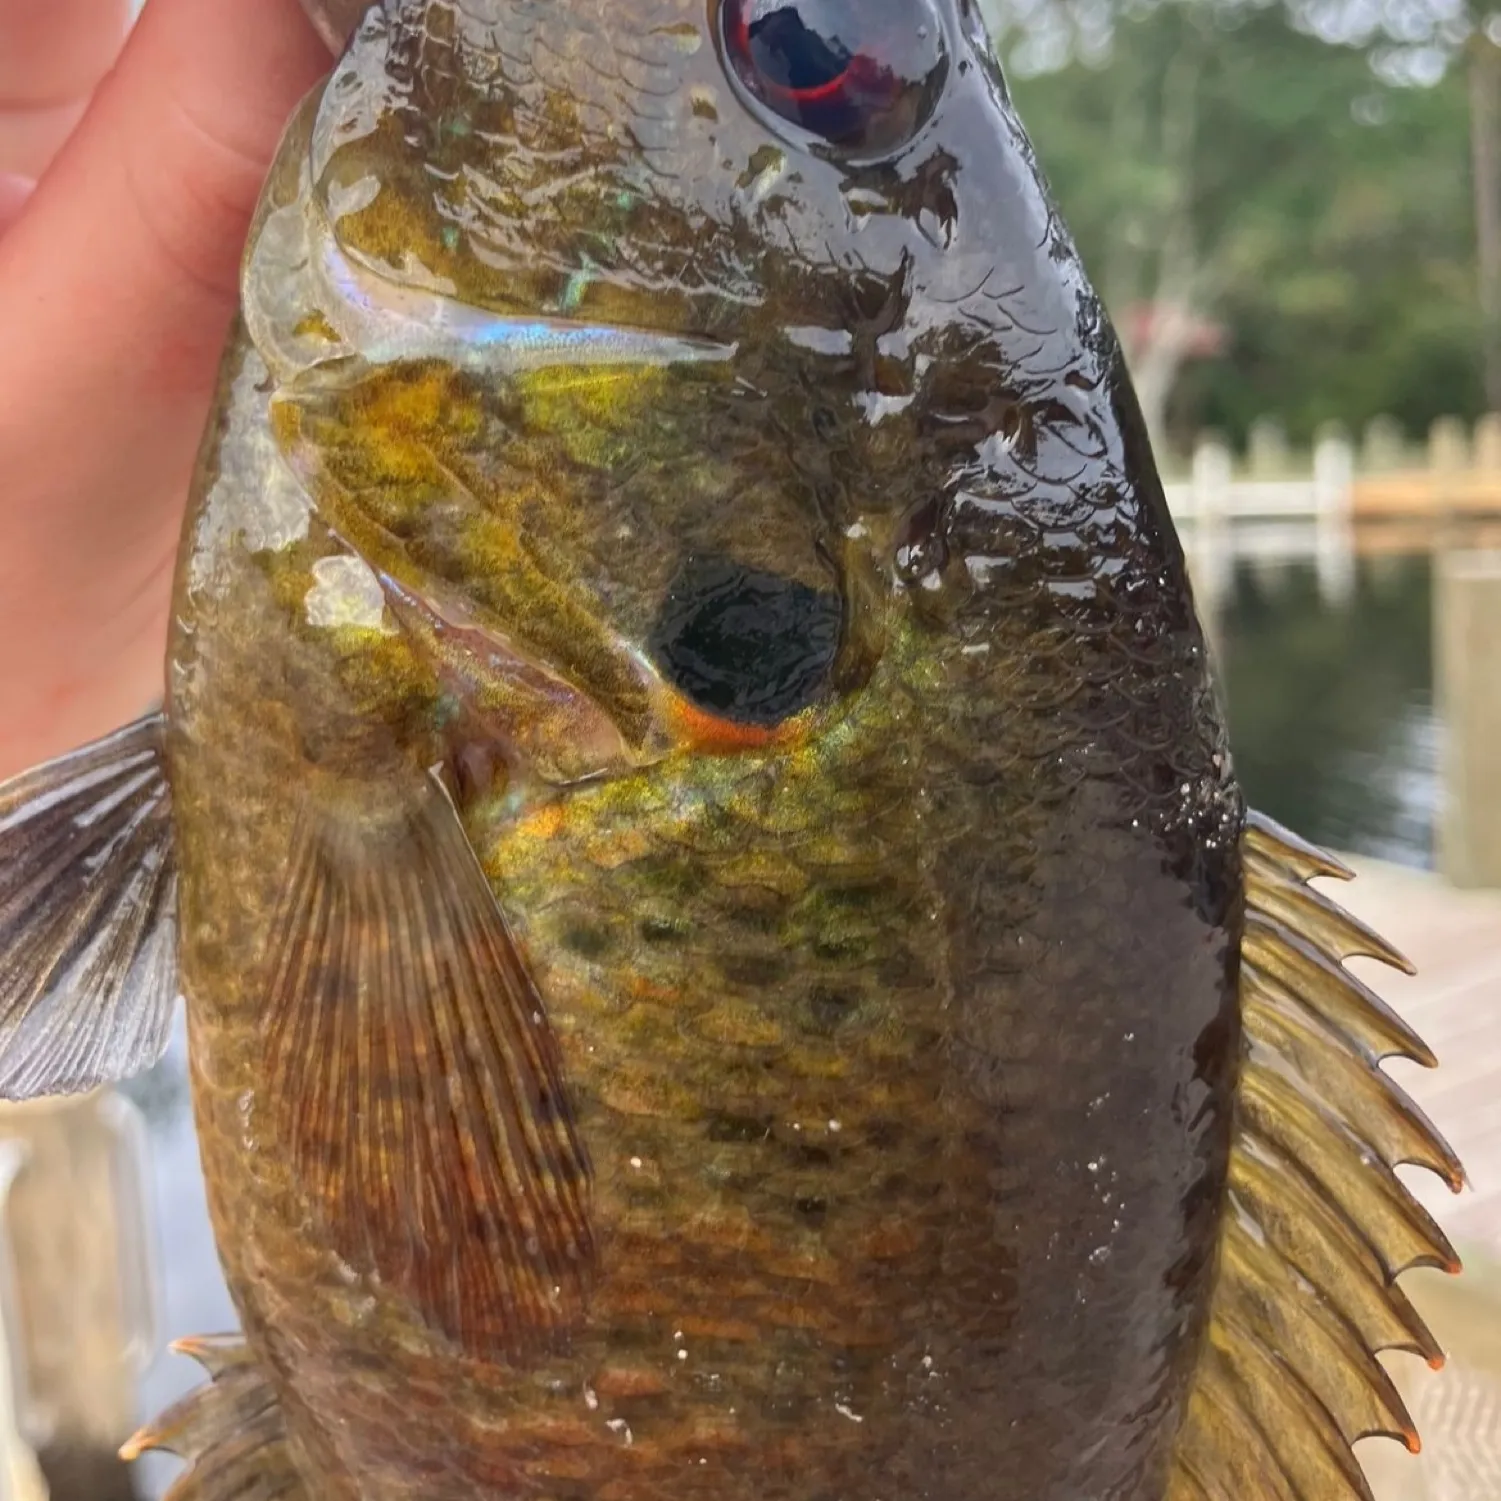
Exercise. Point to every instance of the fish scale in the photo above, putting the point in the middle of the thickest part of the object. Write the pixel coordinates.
(724, 954)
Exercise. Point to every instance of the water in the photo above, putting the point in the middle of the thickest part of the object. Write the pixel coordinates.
(1332, 718)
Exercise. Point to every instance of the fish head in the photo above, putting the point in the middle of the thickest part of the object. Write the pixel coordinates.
(777, 361)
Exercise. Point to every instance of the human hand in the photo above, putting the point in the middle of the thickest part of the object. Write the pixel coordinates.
(118, 278)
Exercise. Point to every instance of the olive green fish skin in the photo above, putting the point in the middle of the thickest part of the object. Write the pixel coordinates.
(903, 1043)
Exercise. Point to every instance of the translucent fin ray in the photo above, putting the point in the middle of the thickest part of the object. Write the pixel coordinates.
(88, 916)
(416, 1082)
(230, 1431)
(1343, 1167)
(1318, 1224)
(1320, 1245)
(1301, 1438)
(1365, 1100)
(1320, 921)
(1325, 986)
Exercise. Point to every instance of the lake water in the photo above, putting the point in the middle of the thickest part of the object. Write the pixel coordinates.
(1333, 729)
(1332, 719)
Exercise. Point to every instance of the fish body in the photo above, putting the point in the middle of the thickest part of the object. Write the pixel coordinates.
(704, 862)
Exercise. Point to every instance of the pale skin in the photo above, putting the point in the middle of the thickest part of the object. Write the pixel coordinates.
(128, 173)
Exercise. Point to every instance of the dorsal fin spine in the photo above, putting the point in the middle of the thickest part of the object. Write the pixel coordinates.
(1317, 1225)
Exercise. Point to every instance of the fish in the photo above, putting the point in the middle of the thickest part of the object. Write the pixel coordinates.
(723, 950)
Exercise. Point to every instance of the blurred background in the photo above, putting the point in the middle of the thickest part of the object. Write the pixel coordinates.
(1293, 211)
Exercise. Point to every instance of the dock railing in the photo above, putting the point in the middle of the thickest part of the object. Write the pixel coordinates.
(1383, 476)
(1333, 499)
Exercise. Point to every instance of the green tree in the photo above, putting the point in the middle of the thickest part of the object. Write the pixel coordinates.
(1223, 163)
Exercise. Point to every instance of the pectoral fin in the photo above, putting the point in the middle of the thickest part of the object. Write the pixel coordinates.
(88, 916)
(416, 1082)
(1318, 1225)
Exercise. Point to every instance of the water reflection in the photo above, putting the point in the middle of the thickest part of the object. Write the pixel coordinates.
(1331, 701)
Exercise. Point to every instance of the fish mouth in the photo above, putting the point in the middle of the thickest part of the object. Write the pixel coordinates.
(417, 317)
(308, 301)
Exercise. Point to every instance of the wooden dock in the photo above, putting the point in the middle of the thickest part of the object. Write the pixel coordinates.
(1454, 938)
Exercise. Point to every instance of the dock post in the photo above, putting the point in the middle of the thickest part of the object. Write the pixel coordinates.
(1382, 446)
(1209, 560)
(1449, 461)
(1487, 449)
(1266, 449)
(78, 1234)
(1334, 546)
(20, 1475)
(1467, 681)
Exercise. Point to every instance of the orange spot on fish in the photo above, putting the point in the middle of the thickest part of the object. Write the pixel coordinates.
(697, 729)
(545, 822)
(628, 1381)
(643, 989)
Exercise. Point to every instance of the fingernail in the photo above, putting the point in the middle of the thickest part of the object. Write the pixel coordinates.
(14, 191)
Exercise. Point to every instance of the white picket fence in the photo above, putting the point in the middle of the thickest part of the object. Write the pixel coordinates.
(1221, 517)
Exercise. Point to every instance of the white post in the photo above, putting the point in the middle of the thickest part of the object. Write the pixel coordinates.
(1487, 450)
(20, 1475)
(1333, 480)
(1266, 449)
(1209, 555)
(78, 1243)
(1467, 635)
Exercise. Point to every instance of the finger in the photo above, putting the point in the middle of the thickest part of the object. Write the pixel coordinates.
(335, 19)
(14, 191)
(52, 54)
(116, 288)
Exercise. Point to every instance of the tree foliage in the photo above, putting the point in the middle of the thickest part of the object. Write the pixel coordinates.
(1225, 160)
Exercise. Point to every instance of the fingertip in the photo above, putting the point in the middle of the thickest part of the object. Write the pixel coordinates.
(168, 162)
(203, 94)
(14, 191)
(54, 51)
(117, 286)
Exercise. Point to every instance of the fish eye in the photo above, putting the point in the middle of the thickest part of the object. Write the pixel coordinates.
(862, 75)
(749, 646)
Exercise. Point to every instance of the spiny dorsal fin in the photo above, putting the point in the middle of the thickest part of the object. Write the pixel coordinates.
(1319, 1225)
(416, 1081)
(230, 1431)
(88, 916)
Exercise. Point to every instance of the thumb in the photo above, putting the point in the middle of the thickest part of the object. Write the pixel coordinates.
(117, 283)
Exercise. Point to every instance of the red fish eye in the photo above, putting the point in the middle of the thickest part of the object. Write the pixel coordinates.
(861, 74)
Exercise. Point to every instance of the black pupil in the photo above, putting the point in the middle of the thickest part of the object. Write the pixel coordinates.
(859, 73)
(749, 646)
(791, 56)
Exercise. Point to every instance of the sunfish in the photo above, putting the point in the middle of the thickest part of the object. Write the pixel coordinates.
(724, 954)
